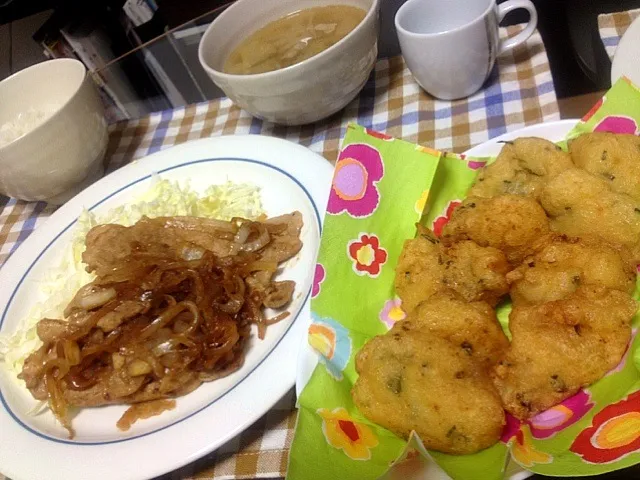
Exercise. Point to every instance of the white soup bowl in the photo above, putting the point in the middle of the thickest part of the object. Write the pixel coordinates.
(302, 93)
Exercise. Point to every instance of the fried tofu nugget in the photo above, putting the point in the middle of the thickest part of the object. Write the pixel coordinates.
(581, 204)
(613, 157)
(559, 347)
(425, 267)
(523, 167)
(475, 272)
(510, 223)
(472, 326)
(412, 380)
(561, 264)
(418, 271)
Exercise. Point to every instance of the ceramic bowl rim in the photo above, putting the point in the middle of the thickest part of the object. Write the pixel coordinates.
(30, 70)
(401, 13)
(218, 23)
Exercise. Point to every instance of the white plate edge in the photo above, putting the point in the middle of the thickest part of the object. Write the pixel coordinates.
(67, 212)
(626, 44)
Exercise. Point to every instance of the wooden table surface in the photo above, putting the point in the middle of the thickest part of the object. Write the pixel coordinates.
(576, 107)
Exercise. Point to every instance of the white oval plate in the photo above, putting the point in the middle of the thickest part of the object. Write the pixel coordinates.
(554, 131)
(625, 60)
(291, 177)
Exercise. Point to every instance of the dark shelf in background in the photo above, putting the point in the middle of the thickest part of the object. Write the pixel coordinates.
(579, 63)
(12, 10)
(177, 12)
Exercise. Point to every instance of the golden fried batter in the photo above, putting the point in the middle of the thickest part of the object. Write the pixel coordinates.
(523, 167)
(559, 347)
(613, 157)
(581, 204)
(412, 380)
(475, 272)
(418, 271)
(561, 264)
(426, 267)
(472, 326)
(510, 223)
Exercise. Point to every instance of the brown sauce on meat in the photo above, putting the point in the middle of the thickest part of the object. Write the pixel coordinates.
(164, 314)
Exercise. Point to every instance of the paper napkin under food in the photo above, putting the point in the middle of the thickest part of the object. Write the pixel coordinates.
(381, 188)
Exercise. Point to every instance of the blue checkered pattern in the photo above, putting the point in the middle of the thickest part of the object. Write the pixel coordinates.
(612, 26)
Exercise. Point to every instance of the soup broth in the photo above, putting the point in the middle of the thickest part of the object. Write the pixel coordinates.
(293, 38)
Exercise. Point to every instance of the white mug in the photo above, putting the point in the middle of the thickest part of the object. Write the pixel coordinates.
(450, 46)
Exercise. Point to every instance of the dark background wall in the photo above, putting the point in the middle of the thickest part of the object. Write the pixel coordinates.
(569, 28)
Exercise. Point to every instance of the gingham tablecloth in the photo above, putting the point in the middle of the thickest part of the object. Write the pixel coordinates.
(612, 26)
(519, 93)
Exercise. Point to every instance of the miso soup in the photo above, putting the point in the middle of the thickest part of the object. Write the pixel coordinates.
(293, 38)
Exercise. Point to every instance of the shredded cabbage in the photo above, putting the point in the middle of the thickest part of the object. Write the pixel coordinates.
(164, 198)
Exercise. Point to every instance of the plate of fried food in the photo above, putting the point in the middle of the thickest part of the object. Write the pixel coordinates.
(522, 297)
(560, 237)
(158, 314)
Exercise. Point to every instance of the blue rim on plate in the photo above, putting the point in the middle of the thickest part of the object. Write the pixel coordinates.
(130, 184)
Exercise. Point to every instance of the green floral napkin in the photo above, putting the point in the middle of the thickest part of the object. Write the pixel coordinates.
(381, 187)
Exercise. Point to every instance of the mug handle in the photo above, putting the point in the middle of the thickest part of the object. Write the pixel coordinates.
(505, 8)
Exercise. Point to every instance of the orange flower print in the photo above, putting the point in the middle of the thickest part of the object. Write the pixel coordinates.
(594, 109)
(442, 220)
(428, 150)
(342, 432)
(354, 189)
(421, 202)
(331, 340)
(379, 135)
(614, 432)
(523, 451)
(367, 255)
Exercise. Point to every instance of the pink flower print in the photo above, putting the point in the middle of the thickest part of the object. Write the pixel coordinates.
(617, 124)
(392, 312)
(318, 278)
(354, 189)
(476, 164)
(511, 428)
(559, 417)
